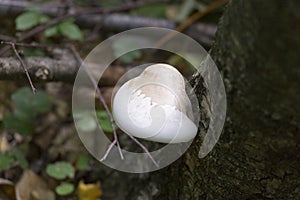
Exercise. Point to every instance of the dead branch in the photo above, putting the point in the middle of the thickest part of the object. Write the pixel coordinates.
(201, 32)
(61, 66)
(70, 12)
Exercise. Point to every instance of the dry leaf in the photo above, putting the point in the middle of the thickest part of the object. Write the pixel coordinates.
(7, 190)
(66, 144)
(33, 187)
(88, 191)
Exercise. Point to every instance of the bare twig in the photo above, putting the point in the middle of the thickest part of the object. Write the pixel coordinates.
(42, 27)
(13, 46)
(98, 91)
(113, 21)
(112, 121)
(144, 149)
(108, 150)
(125, 7)
(34, 45)
(209, 8)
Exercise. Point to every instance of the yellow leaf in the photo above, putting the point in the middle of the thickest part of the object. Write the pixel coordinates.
(4, 145)
(88, 191)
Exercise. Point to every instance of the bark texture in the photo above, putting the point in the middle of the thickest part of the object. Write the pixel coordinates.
(60, 65)
(257, 49)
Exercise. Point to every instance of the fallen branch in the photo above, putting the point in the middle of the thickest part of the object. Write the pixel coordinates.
(61, 66)
(68, 14)
(201, 32)
(192, 19)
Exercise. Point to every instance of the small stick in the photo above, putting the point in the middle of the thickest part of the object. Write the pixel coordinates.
(33, 45)
(108, 150)
(125, 7)
(78, 58)
(76, 13)
(144, 148)
(209, 8)
(13, 46)
(112, 121)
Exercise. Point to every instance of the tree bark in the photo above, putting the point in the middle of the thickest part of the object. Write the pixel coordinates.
(257, 49)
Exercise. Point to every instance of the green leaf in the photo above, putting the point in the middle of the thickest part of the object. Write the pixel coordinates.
(6, 160)
(87, 123)
(52, 31)
(131, 56)
(122, 45)
(29, 104)
(13, 123)
(20, 157)
(64, 189)
(104, 120)
(30, 18)
(153, 11)
(27, 20)
(43, 18)
(60, 170)
(82, 162)
(70, 30)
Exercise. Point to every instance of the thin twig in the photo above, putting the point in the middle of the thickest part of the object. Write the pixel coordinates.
(209, 8)
(42, 27)
(201, 32)
(108, 150)
(78, 13)
(34, 45)
(112, 121)
(23, 65)
(144, 148)
(98, 91)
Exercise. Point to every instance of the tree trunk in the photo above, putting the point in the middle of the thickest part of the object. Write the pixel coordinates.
(257, 49)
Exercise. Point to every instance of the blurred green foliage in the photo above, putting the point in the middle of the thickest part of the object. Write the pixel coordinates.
(121, 46)
(30, 18)
(87, 123)
(154, 11)
(27, 107)
(60, 170)
(64, 189)
(14, 156)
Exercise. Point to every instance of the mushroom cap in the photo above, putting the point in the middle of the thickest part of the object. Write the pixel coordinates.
(154, 106)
